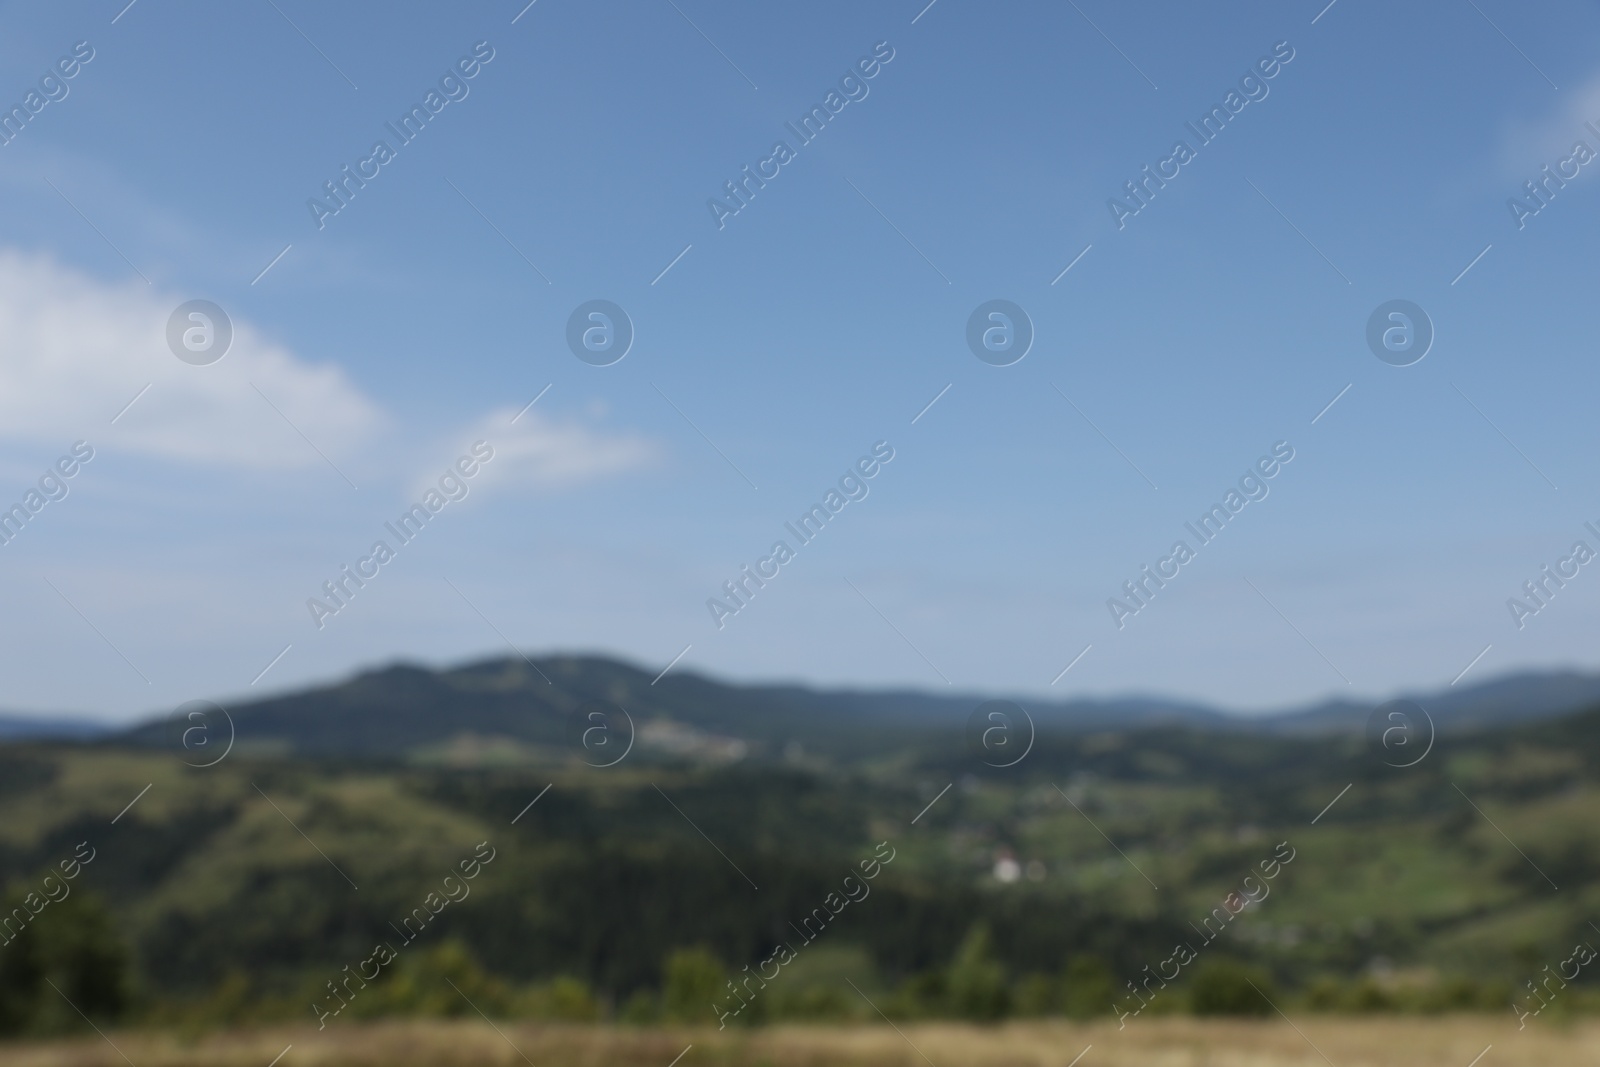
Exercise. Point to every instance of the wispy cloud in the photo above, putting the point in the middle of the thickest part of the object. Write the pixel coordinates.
(1527, 145)
(541, 452)
(74, 350)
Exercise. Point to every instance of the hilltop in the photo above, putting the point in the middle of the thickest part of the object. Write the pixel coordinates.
(532, 706)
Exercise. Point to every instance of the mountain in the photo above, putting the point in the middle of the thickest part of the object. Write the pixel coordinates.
(742, 806)
(1506, 701)
(15, 726)
(519, 708)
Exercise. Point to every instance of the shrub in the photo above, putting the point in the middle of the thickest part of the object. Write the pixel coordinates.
(641, 1008)
(1037, 994)
(444, 981)
(567, 999)
(922, 995)
(1088, 988)
(1226, 987)
(693, 983)
(1325, 994)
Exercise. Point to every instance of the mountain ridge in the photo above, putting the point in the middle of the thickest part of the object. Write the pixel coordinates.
(403, 707)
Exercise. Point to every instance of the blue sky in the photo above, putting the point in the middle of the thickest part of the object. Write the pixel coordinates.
(778, 349)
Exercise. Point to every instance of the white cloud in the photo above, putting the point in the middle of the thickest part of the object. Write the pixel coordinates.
(74, 350)
(1526, 146)
(541, 453)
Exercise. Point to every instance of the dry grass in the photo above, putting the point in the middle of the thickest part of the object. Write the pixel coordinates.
(1172, 1042)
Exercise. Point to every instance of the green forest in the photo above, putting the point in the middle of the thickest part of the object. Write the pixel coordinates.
(516, 880)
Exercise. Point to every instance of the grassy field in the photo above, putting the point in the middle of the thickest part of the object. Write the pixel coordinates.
(1341, 1042)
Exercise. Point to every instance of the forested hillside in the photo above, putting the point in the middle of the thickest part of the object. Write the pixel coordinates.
(1038, 888)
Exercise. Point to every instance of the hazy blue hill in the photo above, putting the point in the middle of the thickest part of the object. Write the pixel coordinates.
(24, 727)
(1508, 700)
(397, 710)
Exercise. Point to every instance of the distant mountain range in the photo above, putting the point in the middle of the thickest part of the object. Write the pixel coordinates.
(16, 726)
(1506, 701)
(519, 708)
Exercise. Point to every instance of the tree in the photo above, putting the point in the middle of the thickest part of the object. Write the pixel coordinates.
(21, 977)
(71, 944)
(977, 981)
